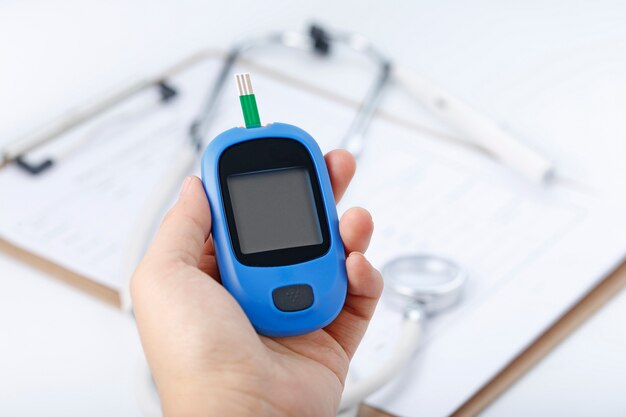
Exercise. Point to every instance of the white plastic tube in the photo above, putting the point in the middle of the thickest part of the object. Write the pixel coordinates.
(476, 127)
(407, 345)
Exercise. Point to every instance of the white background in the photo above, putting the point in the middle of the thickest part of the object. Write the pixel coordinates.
(62, 353)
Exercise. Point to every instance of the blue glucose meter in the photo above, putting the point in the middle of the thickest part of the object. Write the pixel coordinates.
(275, 227)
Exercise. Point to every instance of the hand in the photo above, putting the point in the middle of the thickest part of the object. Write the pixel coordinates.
(203, 352)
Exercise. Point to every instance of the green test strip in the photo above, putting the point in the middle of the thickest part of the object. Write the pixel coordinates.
(248, 101)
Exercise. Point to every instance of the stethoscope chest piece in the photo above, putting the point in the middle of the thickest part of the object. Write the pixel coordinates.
(425, 282)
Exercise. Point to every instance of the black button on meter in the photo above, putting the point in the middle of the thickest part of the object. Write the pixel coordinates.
(293, 297)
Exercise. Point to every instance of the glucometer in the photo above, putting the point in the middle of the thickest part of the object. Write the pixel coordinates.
(275, 225)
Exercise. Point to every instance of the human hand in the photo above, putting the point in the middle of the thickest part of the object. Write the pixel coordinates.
(204, 354)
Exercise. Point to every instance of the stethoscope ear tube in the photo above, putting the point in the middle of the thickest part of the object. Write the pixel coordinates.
(405, 348)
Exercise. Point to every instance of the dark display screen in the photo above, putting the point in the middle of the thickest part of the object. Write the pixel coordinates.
(274, 209)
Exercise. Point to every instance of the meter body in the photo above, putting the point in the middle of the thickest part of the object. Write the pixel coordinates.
(275, 227)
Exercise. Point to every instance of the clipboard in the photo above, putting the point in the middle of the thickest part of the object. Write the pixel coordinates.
(499, 383)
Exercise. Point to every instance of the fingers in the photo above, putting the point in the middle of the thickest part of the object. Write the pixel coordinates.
(184, 229)
(364, 282)
(356, 228)
(341, 166)
(365, 285)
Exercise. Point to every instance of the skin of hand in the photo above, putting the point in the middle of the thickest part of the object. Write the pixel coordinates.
(204, 354)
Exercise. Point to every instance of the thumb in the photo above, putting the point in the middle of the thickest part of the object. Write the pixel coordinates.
(184, 229)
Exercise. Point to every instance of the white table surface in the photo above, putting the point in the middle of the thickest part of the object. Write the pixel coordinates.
(62, 353)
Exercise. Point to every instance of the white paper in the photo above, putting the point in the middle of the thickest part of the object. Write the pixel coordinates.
(529, 252)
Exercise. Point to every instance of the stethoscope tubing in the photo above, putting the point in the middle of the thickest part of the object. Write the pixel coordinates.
(406, 346)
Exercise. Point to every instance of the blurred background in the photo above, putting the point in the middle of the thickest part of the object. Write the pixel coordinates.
(552, 73)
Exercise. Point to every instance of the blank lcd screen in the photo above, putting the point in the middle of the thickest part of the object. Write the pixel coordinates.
(274, 210)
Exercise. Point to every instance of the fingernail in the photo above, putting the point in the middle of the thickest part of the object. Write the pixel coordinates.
(185, 186)
(356, 254)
